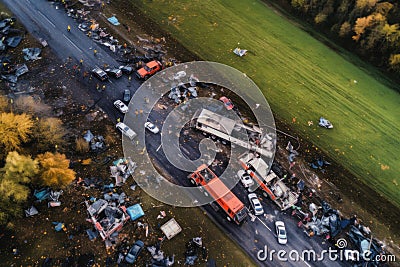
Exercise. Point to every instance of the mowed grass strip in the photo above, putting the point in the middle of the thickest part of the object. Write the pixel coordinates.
(301, 78)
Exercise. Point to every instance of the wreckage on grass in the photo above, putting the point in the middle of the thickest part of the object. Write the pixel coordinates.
(325, 123)
(107, 218)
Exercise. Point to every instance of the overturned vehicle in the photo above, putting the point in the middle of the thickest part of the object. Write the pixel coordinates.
(106, 218)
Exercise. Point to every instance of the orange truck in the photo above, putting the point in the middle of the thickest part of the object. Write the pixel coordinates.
(213, 186)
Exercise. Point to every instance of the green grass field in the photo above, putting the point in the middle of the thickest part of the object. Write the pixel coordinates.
(301, 78)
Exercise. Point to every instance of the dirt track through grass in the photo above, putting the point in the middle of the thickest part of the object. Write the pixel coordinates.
(301, 78)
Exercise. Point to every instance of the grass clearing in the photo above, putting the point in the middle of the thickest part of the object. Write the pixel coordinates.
(301, 78)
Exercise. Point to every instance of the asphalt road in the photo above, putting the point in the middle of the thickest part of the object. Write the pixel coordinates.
(43, 20)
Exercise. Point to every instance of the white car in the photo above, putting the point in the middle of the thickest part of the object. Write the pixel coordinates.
(281, 232)
(256, 204)
(126, 130)
(245, 178)
(151, 127)
(121, 106)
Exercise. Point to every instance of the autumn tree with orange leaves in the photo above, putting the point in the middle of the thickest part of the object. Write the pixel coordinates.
(54, 170)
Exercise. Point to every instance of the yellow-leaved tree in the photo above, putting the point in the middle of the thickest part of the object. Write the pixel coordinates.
(14, 178)
(54, 170)
(48, 133)
(14, 130)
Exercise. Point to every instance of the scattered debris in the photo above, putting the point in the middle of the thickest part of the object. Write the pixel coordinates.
(121, 170)
(135, 212)
(106, 218)
(42, 194)
(31, 53)
(325, 123)
(240, 52)
(113, 20)
(171, 228)
(31, 211)
(59, 226)
(13, 41)
(192, 251)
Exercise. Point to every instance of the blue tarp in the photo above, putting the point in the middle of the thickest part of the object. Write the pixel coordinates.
(118, 161)
(113, 20)
(42, 194)
(135, 212)
(58, 226)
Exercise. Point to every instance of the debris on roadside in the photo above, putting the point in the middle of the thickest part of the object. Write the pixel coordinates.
(31, 53)
(114, 21)
(135, 212)
(193, 248)
(171, 228)
(31, 211)
(121, 170)
(96, 143)
(106, 217)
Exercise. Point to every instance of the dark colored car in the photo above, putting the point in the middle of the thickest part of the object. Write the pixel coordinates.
(134, 252)
(126, 69)
(127, 95)
(100, 74)
(114, 72)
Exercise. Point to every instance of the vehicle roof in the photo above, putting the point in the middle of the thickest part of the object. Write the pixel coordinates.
(152, 64)
(224, 99)
(216, 121)
(219, 190)
(121, 124)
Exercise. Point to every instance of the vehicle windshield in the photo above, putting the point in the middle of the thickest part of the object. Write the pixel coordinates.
(282, 233)
(240, 216)
(126, 129)
(147, 68)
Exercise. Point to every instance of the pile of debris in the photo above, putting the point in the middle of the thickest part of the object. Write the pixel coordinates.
(181, 92)
(193, 248)
(122, 169)
(9, 38)
(150, 48)
(323, 220)
(107, 218)
(96, 143)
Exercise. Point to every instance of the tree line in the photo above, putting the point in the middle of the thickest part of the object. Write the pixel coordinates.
(370, 28)
(29, 157)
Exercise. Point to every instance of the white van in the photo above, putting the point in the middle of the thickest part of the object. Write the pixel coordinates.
(126, 130)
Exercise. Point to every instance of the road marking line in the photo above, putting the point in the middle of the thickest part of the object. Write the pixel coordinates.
(69, 40)
(41, 14)
(158, 148)
(264, 224)
(305, 262)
